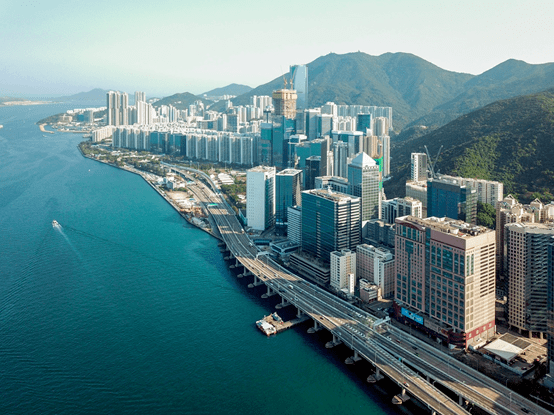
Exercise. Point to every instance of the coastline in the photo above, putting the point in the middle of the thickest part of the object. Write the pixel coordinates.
(159, 191)
(12, 103)
(44, 130)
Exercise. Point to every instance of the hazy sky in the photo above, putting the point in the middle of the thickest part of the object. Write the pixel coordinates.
(163, 47)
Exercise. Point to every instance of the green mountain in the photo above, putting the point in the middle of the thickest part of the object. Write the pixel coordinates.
(511, 141)
(508, 79)
(232, 89)
(410, 85)
(419, 92)
(181, 100)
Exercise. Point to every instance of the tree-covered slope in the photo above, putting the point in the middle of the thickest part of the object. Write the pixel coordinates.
(410, 85)
(511, 141)
(509, 79)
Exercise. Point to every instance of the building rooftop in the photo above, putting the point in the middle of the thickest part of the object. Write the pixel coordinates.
(331, 195)
(289, 172)
(455, 227)
(363, 160)
(261, 169)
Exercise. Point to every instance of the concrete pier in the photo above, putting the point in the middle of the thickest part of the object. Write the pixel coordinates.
(256, 282)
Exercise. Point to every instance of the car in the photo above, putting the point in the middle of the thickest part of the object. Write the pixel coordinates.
(413, 347)
(397, 341)
(406, 384)
(525, 410)
(290, 286)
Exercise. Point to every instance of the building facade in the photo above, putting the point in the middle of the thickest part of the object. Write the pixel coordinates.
(260, 197)
(445, 277)
(330, 222)
(365, 182)
(343, 271)
(449, 198)
(376, 265)
(527, 275)
(288, 187)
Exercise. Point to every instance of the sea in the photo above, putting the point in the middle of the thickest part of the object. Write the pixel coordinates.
(127, 309)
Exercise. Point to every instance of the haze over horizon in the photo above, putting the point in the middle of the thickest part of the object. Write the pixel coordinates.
(59, 49)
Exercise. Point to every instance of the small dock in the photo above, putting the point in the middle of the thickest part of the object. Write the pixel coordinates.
(280, 325)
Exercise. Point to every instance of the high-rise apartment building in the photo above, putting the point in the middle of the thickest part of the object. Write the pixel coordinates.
(330, 222)
(508, 211)
(445, 277)
(376, 265)
(527, 275)
(299, 77)
(288, 187)
(418, 169)
(343, 271)
(451, 199)
(380, 126)
(260, 197)
(364, 180)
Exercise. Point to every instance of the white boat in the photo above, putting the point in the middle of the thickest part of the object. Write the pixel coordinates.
(265, 327)
(55, 223)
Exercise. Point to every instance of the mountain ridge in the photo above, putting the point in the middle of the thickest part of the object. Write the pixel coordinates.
(511, 141)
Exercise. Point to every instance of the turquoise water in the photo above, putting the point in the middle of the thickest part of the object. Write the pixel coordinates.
(127, 309)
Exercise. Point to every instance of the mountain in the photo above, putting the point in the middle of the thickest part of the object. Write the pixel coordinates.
(232, 89)
(510, 140)
(508, 79)
(419, 92)
(181, 100)
(96, 94)
(410, 85)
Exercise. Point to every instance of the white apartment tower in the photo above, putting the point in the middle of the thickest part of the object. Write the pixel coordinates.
(260, 197)
(343, 267)
(418, 172)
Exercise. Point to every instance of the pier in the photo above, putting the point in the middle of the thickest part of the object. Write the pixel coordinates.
(280, 325)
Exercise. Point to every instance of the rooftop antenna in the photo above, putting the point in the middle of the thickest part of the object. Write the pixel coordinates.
(431, 163)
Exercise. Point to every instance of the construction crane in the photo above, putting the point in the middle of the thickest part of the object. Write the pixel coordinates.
(431, 164)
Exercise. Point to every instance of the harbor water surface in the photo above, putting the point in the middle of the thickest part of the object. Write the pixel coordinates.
(127, 309)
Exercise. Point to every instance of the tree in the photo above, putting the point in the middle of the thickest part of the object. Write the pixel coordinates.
(486, 215)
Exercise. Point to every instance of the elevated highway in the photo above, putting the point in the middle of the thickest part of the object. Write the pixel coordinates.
(391, 351)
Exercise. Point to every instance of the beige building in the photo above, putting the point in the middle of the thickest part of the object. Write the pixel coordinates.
(508, 211)
(452, 288)
(284, 102)
(376, 265)
(343, 270)
(527, 275)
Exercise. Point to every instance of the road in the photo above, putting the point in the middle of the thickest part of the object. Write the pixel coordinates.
(393, 353)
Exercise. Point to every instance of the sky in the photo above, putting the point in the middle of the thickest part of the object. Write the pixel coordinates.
(61, 47)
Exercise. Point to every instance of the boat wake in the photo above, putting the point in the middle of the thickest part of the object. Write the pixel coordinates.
(58, 227)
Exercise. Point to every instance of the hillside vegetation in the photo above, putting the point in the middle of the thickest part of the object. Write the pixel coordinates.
(419, 92)
(511, 141)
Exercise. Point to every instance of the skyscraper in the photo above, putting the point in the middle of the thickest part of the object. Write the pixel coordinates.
(299, 77)
(364, 180)
(288, 187)
(527, 275)
(330, 222)
(117, 108)
(260, 197)
(445, 271)
(418, 170)
(449, 198)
